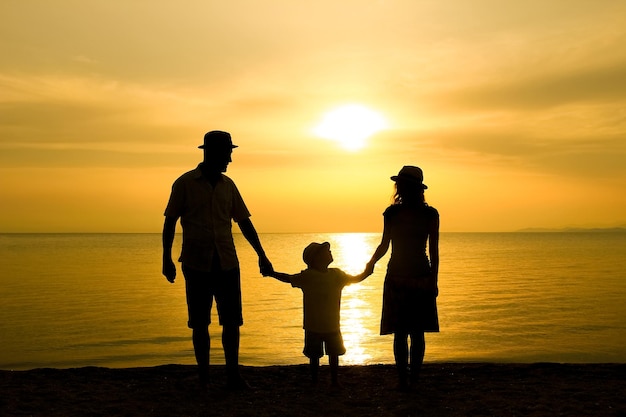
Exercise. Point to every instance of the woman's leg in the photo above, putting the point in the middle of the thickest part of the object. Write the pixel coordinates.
(314, 366)
(401, 355)
(418, 347)
(333, 361)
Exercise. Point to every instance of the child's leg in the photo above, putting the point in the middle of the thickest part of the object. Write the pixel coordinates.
(333, 360)
(314, 351)
(314, 365)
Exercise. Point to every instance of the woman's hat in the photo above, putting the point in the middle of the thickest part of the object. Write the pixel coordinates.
(410, 174)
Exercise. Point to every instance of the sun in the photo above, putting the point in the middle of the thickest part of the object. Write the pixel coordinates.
(350, 125)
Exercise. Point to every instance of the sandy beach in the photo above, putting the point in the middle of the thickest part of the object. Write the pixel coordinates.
(446, 389)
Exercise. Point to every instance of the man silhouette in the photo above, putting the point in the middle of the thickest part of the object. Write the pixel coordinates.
(206, 201)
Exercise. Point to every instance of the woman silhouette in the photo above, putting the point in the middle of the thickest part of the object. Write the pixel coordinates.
(410, 289)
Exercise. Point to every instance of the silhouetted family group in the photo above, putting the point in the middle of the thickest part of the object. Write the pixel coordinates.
(206, 201)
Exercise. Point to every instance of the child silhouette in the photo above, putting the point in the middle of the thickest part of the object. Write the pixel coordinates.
(321, 287)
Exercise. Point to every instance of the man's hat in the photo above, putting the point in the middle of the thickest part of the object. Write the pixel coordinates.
(410, 174)
(216, 139)
(312, 250)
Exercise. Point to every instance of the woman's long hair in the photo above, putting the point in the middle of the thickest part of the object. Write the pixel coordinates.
(408, 193)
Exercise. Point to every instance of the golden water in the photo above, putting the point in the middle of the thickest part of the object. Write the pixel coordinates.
(70, 300)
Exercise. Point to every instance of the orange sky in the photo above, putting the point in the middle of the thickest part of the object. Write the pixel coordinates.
(515, 110)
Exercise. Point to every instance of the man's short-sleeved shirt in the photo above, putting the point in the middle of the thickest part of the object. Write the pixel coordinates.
(321, 298)
(205, 214)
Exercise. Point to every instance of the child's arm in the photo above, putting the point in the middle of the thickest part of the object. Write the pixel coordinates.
(281, 276)
(353, 279)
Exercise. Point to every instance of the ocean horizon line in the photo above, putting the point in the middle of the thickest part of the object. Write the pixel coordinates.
(538, 230)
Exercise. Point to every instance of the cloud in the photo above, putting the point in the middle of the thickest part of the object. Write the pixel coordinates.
(571, 86)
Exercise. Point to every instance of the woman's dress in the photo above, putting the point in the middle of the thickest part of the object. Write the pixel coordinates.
(409, 298)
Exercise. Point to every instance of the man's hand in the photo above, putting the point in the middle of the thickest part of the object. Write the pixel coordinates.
(169, 270)
(265, 266)
(169, 228)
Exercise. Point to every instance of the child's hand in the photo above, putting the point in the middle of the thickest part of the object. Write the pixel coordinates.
(268, 273)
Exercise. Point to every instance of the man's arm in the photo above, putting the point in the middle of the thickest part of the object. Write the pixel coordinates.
(169, 230)
(249, 232)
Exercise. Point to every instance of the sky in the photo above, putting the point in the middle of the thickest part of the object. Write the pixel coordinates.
(516, 111)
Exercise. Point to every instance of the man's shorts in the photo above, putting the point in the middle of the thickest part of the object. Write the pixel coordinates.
(314, 344)
(202, 286)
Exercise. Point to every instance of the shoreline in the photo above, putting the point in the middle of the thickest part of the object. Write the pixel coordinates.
(445, 389)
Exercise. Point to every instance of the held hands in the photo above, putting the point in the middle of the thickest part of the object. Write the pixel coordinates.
(265, 266)
(369, 269)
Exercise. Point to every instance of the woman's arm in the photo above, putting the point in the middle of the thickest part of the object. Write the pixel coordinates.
(380, 251)
(433, 250)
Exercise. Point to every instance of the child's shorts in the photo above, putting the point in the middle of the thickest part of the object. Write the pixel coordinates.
(314, 344)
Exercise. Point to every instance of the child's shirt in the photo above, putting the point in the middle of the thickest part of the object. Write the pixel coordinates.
(321, 298)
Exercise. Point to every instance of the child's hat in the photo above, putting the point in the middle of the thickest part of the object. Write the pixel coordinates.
(312, 250)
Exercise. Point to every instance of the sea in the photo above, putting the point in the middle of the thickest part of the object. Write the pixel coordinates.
(76, 300)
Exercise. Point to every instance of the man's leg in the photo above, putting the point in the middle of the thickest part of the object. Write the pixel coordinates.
(199, 302)
(202, 348)
(230, 343)
(228, 298)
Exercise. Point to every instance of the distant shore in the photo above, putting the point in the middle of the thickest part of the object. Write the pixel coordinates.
(574, 230)
(445, 389)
